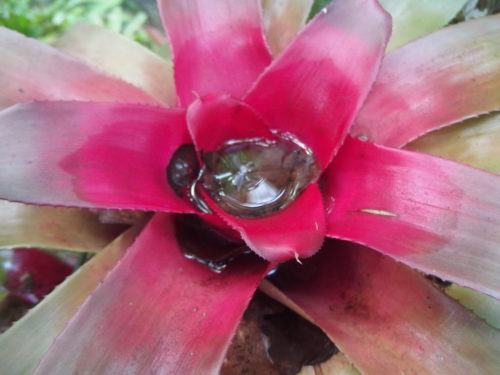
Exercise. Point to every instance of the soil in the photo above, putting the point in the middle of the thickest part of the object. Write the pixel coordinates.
(273, 340)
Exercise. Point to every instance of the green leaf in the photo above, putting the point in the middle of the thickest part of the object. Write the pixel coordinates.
(317, 6)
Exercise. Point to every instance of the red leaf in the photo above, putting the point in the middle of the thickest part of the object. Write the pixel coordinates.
(386, 318)
(31, 274)
(435, 81)
(156, 312)
(435, 215)
(31, 70)
(315, 87)
(216, 119)
(218, 46)
(105, 155)
(296, 231)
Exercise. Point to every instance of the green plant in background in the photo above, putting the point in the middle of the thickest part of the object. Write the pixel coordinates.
(317, 6)
(47, 19)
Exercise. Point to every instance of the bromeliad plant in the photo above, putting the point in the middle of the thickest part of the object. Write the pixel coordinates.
(288, 154)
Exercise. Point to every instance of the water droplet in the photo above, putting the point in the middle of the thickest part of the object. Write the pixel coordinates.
(272, 272)
(257, 177)
(183, 169)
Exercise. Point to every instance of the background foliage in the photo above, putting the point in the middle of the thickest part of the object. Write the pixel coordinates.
(47, 19)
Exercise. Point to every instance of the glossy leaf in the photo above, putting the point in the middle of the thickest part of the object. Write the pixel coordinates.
(103, 155)
(156, 312)
(286, 234)
(435, 215)
(24, 344)
(31, 70)
(53, 228)
(121, 57)
(218, 47)
(386, 318)
(474, 142)
(324, 75)
(414, 19)
(435, 81)
(282, 20)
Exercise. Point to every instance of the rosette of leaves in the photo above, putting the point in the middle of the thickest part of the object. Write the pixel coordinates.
(97, 122)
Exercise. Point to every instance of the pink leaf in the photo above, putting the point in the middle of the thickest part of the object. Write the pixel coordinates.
(315, 87)
(435, 81)
(435, 215)
(156, 312)
(82, 154)
(218, 46)
(296, 231)
(31, 70)
(386, 318)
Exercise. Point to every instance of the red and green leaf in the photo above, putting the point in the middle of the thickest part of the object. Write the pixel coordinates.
(435, 81)
(112, 156)
(31, 70)
(385, 317)
(322, 78)
(53, 228)
(156, 312)
(24, 344)
(433, 214)
(121, 57)
(218, 46)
